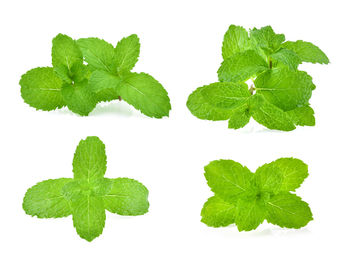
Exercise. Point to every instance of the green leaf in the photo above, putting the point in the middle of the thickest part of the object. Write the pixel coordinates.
(65, 52)
(90, 161)
(249, 214)
(101, 80)
(240, 116)
(107, 95)
(88, 216)
(302, 116)
(228, 179)
(307, 51)
(79, 98)
(288, 210)
(127, 52)
(267, 39)
(269, 115)
(287, 57)
(146, 94)
(241, 67)
(41, 89)
(236, 40)
(268, 179)
(218, 213)
(127, 197)
(45, 199)
(284, 88)
(98, 54)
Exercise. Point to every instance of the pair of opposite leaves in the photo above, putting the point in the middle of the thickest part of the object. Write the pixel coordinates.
(241, 197)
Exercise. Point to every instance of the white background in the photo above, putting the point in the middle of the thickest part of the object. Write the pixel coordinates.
(181, 47)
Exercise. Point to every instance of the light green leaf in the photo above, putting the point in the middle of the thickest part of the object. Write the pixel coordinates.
(240, 116)
(285, 88)
(228, 179)
(127, 52)
(267, 39)
(45, 199)
(41, 89)
(65, 52)
(241, 67)
(236, 40)
(288, 210)
(268, 179)
(90, 161)
(98, 53)
(146, 94)
(127, 197)
(287, 57)
(218, 213)
(106, 95)
(88, 216)
(101, 80)
(307, 51)
(249, 214)
(269, 115)
(302, 116)
(79, 98)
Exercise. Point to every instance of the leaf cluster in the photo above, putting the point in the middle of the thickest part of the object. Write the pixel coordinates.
(280, 94)
(247, 199)
(88, 194)
(87, 71)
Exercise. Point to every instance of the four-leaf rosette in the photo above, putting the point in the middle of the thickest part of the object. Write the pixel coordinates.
(90, 70)
(247, 199)
(88, 194)
(280, 94)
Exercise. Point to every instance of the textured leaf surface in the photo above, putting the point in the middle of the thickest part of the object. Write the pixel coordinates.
(101, 80)
(228, 179)
(236, 40)
(249, 214)
(218, 213)
(45, 199)
(127, 197)
(241, 67)
(288, 210)
(79, 98)
(307, 51)
(88, 216)
(287, 57)
(146, 94)
(268, 179)
(41, 89)
(284, 88)
(98, 53)
(240, 116)
(127, 52)
(269, 115)
(90, 161)
(302, 116)
(267, 39)
(65, 52)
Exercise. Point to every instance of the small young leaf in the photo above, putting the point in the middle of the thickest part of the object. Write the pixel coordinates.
(236, 40)
(267, 39)
(240, 116)
(127, 52)
(307, 51)
(287, 57)
(218, 213)
(249, 214)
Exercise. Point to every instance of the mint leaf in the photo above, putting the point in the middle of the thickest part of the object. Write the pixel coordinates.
(146, 94)
(288, 210)
(101, 80)
(127, 197)
(41, 89)
(269, 115)
(247, 199)
(307, 51)
(98, 54)
(285, 89)
(87, 195)
(45, 199)
(218, 213)
(236, 40)
(267, 39)
(127, 52)
(240, 116)
(287, 57)
(249, 214)
(242, 66)
(228, 179)
(302, 116)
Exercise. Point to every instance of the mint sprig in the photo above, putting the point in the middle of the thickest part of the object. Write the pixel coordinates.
(279, 96)
(90, 70)
(88, 194)
(247, 199)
